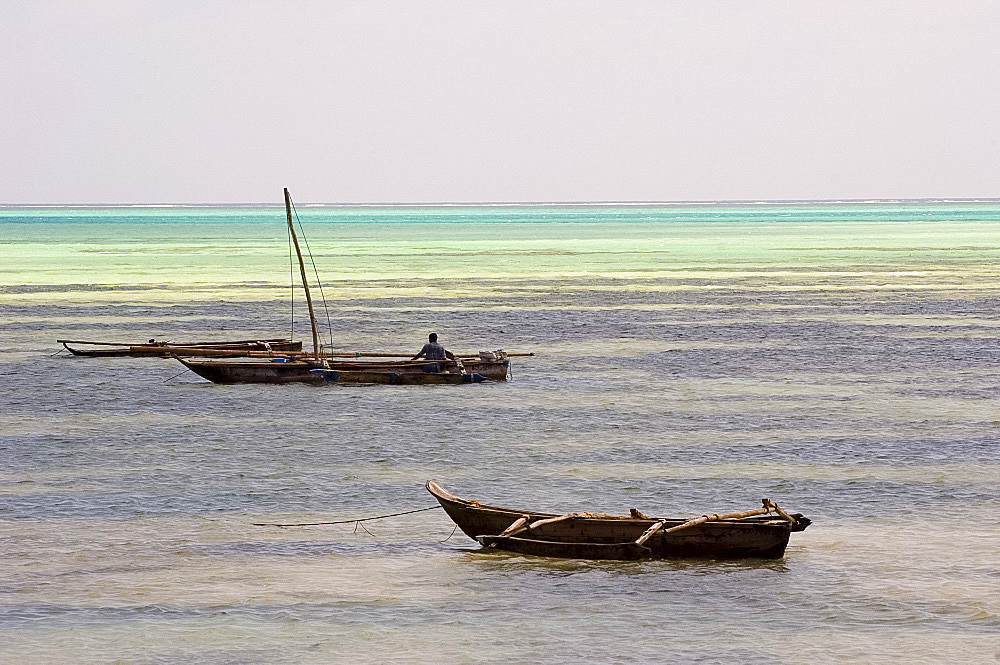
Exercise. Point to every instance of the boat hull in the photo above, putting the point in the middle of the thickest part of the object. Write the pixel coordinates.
(394, 378)
(588, 536)
(253, 371)
(310, 371)
(567, 550)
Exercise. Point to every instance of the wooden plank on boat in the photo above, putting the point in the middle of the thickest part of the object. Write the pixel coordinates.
(516, 526)
(715, 517)
(649, 533)
(523, 525)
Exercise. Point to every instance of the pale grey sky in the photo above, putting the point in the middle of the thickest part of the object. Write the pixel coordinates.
(560, 100)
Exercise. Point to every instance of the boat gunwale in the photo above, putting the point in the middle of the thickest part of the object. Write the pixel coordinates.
(444, 495)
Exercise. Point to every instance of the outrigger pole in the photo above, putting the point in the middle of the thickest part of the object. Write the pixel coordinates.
(302, 270)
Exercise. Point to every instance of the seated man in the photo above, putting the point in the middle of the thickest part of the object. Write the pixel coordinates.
(434, 351)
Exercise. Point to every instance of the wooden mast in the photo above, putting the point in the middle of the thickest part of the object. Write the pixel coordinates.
(302, 271)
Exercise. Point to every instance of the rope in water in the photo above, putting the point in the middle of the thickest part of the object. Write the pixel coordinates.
(453, 531)
(356, 521)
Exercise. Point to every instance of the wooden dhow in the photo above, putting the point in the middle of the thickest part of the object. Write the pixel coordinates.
(320, 367)
(760, 533)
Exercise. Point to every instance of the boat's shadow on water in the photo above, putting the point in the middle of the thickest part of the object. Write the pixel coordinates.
(494, 560)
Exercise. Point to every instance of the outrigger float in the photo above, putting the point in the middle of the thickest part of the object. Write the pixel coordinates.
(155, 349)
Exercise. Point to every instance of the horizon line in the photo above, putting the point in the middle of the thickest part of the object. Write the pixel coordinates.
(512, 204)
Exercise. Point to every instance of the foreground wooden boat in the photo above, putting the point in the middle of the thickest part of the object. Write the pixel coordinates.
(154, 349)
(751, 534)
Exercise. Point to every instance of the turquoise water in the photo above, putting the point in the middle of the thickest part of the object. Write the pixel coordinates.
(841, 359)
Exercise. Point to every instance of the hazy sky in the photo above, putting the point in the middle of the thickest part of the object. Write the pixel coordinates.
(216, 101)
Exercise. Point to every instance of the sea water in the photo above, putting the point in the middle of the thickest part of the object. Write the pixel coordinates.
(841, 359)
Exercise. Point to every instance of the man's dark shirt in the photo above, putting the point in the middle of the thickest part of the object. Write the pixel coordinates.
(433, 351)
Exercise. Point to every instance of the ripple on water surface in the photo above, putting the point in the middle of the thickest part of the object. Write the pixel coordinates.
(844, 367)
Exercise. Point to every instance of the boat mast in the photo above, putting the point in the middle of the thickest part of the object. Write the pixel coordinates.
(302, 271)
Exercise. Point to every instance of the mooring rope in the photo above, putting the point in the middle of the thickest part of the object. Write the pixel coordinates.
(355, 521)
(175, 376)
(449, 535)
